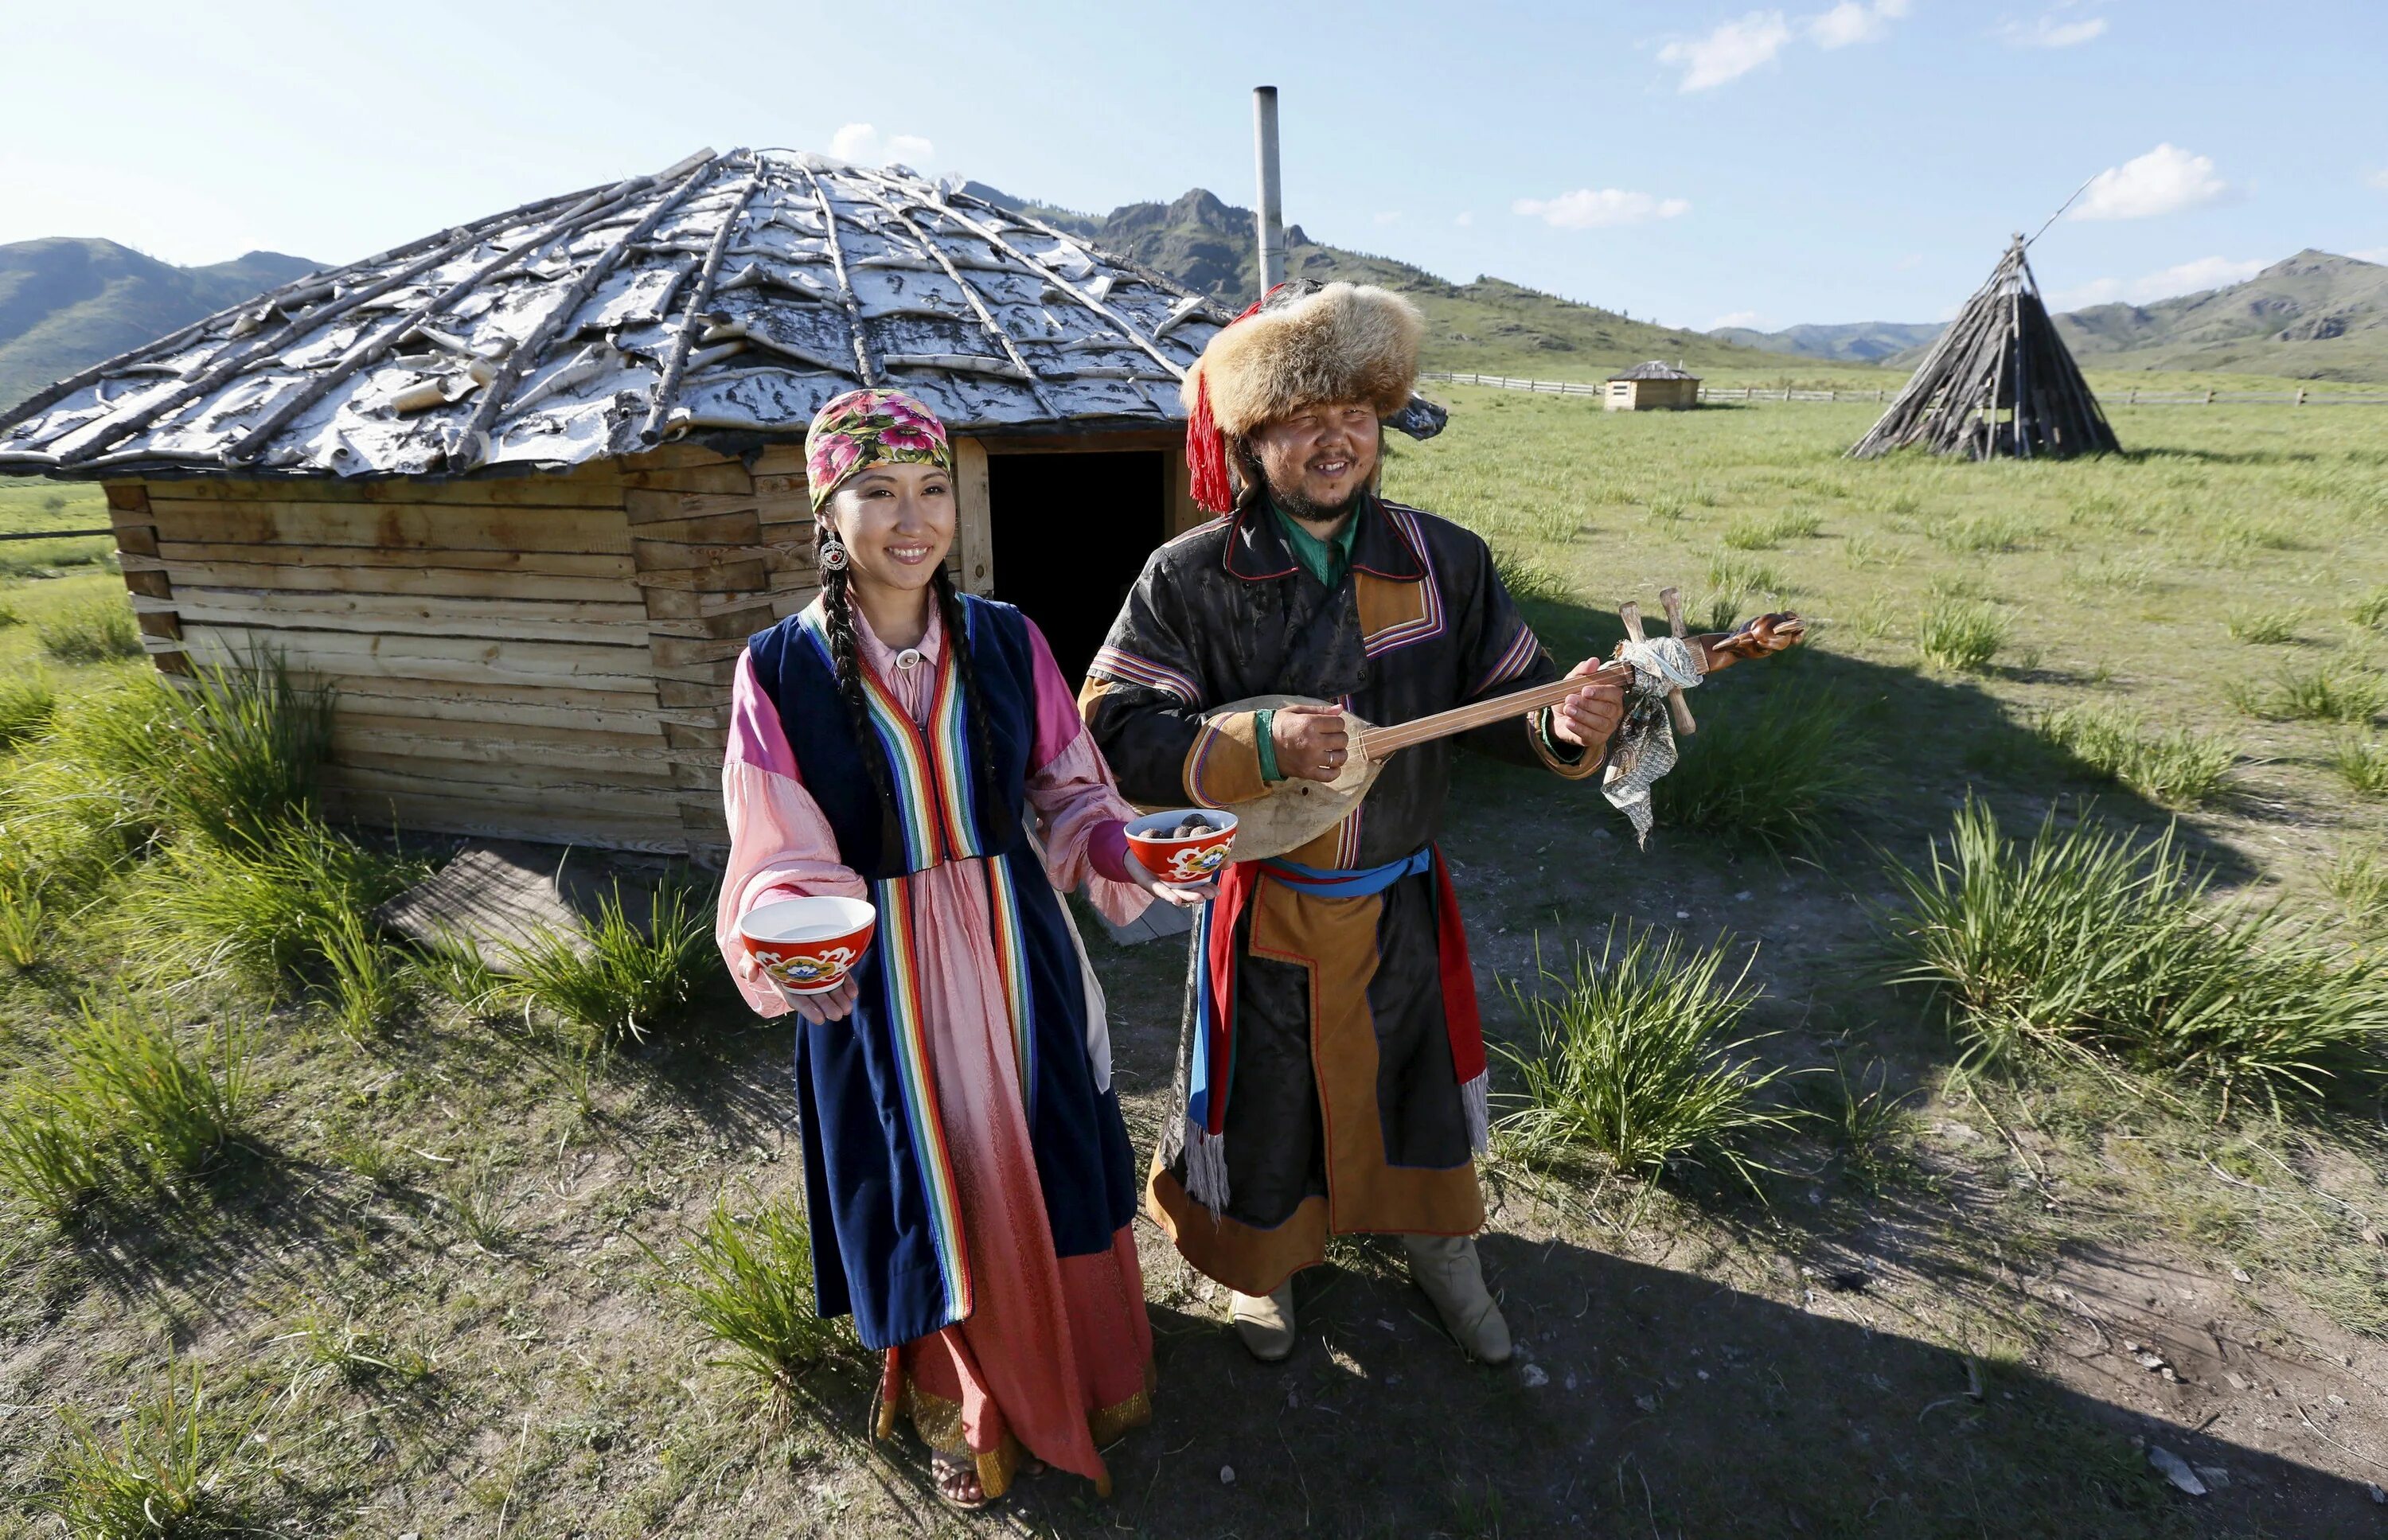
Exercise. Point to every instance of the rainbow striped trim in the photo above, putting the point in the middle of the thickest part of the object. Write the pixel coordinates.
(1128, 669)
(899, 967)
(1426, 626)
(1516, 661)
(1011, 961)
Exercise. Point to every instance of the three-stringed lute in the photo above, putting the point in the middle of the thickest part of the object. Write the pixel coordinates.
(1295, 811)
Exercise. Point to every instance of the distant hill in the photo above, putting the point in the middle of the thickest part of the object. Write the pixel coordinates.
(2315, 316)
(67, 303)
(1850, 342)
(1488, 324)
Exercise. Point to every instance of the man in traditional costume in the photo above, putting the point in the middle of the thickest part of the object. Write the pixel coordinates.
(1332, 1078)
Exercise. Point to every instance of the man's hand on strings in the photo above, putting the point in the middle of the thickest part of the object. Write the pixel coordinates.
(1761, 637)
(1310, 741)
(1588, 717)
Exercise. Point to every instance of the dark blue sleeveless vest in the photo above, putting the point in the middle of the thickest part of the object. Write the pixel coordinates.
(886, 1220)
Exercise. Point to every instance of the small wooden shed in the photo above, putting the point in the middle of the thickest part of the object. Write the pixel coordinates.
(519, 490)
(1652, 386)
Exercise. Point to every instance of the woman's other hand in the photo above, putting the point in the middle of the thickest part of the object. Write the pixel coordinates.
(827, 1006)
(1185, 895)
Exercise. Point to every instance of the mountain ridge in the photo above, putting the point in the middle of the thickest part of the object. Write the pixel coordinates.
(67, 302)
(2316, 315)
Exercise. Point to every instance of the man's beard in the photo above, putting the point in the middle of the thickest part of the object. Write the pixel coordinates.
(1300, 505)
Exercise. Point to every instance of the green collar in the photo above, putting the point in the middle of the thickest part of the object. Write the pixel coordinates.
(1324, 559)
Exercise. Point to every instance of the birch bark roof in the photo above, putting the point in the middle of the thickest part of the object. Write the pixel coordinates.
(728, 295)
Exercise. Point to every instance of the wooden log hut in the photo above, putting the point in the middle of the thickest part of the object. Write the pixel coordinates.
(1653, 386)
(519, 490)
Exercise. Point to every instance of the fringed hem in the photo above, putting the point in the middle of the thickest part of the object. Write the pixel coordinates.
(1475, 1098)
(1206, 1167)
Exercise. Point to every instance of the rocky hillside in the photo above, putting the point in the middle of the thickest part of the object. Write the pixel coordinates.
(67, 303)
(1487, 324)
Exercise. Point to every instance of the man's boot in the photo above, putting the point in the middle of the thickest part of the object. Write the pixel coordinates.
(1446, 1267)
(1266, 1322)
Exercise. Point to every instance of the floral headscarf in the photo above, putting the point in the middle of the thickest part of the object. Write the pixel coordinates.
(863, 428)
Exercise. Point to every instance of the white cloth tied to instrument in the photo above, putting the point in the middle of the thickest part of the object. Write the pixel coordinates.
(1645, 747)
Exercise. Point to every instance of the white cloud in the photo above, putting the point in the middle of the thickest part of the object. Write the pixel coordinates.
(861, 144)
(2376, 178)
(1597, 209)
(1731, 51)
(1853, 21)
(1466, 219)
(2370, 254)
(2048, 32)
(1394, 217)
(2190, 277)
(1911, 261)
(2164, 181)
(1733, 318)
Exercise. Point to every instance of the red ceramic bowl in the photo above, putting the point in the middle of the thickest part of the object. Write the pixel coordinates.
(809, 944)
(1175, 857)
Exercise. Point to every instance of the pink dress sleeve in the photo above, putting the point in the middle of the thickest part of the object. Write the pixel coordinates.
(780, 844)
(1079, 810)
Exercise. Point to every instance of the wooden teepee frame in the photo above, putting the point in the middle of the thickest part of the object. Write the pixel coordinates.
(2000, 355)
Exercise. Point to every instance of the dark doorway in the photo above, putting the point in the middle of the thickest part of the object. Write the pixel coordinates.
(1070, 533)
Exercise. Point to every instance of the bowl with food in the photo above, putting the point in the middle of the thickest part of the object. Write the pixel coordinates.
(809, 944)
(1187, 845)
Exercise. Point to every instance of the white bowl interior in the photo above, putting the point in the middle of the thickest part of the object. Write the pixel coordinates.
(807, 919)
(1163, 825)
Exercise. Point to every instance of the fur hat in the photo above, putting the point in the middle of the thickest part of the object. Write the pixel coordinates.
(1303, 345)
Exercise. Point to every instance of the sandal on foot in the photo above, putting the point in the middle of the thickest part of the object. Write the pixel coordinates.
(958, 1484)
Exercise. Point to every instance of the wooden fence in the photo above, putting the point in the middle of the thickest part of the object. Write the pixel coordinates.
(2133, 398)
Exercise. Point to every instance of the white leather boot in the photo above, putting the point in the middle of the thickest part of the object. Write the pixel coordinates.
(1266, 1322)
(1447, 1269)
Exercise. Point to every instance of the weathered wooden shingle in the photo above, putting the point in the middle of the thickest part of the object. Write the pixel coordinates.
(728, 295)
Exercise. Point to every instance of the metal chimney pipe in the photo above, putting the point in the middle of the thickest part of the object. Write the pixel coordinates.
(1271, 215)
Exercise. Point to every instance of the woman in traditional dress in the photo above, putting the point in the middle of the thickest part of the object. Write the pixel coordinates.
(967, 1178)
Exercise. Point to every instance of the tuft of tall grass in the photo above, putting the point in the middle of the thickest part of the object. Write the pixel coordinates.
(1528, 579)
(1755, 532)
(2358, 880)
(233, 753)
(1635, 1057)
(24, 920)
(749, 1285)
(369, 980)
(175, 1113)
(2180, 768)
(1960, 636)
(2092, 943)
(94, 630)
(1979, 533)
(1871, 1125)
(2370, 611)
(612, 980)
(1740, 575)
(26, 707)
(171, 1472)
(52, 1161)
(2313, 695)
(2362, 763)
(2261, 627)
(1767, 772)
(268, 911)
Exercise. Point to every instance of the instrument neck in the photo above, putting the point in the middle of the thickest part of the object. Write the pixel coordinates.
(1376, 742)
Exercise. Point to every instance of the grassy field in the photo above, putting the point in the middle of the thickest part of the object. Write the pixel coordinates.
(1877, 1260)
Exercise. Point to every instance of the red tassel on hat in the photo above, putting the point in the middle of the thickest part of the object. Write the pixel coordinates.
(1206, 454)
(1206, 447)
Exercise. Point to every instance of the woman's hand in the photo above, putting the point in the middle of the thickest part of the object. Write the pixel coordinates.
(1185, 895)
(828, 1005)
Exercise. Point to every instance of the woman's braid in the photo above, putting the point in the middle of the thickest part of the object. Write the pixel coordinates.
(845, 655)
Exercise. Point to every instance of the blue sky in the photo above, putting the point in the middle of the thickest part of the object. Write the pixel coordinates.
(1692, 163)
